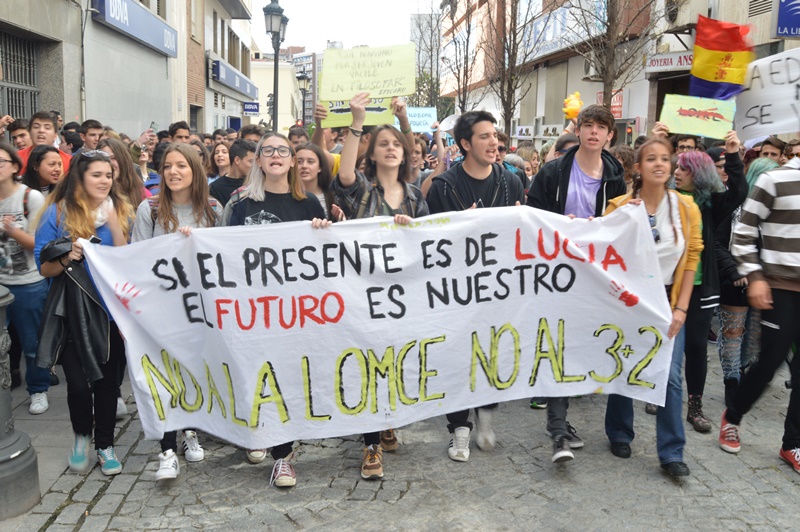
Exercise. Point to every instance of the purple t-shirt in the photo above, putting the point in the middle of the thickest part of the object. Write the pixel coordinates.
(582, 193)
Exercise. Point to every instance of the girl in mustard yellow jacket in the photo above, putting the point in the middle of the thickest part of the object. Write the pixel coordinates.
(676, 226)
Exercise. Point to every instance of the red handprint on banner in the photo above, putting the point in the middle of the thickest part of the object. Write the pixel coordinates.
(618, 291)
(126, 293)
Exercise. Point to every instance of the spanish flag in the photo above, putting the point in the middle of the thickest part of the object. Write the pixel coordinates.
(721, 55)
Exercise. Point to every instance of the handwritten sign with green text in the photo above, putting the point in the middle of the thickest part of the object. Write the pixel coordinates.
(385, 71)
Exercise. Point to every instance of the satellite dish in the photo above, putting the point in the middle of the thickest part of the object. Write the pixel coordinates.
(449, 123)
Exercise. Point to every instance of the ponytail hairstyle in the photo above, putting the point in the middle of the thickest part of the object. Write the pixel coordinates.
(705, 178)
(72, 203)
(202, 211)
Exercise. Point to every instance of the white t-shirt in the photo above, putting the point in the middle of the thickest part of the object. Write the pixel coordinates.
(17, 265)
(669, 249)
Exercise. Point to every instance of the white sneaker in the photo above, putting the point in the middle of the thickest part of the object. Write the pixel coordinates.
(191, 447)
(459, 445)
(484, 435)
(122, 408)
(256, 456)
(39, 403)
(168, 466)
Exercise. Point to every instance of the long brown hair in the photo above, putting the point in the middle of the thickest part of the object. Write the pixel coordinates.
(205, 157)
(130, 184)
(637, 183)
(404, 172)
(213, 164)
(203, 213)
(73, 204)
(324, 177)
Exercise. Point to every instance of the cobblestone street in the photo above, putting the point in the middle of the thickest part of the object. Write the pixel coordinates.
(513, 487)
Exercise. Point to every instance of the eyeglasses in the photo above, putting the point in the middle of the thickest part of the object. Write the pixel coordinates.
(502, 148)
(91, 154)
(792, 155)
(3, 162)
(269, 151)
(656, 234)
(685, 148)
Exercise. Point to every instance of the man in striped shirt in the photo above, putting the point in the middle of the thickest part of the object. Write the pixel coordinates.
(772, 212)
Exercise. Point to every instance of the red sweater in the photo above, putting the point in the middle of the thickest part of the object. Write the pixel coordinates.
(26, 152)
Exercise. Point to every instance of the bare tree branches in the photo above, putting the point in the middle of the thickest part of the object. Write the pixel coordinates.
(460, 52)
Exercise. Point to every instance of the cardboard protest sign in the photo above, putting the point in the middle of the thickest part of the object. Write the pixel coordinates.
(266, 334)
(420, 119)
(385, 71)
(379, 111)
(703, 117)
(770, 102)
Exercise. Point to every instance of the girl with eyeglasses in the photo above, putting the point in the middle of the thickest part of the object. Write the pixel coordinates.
(675, 222)
(272, 193)
(86, 204)
(44, 170)
(19, 207)
(384, 189)
(697, 176)
(182, 204)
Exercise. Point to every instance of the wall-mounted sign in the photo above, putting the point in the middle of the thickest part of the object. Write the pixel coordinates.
(250, 109)
(225, 74)
(785, 19)
(669, 62)
(135, 21)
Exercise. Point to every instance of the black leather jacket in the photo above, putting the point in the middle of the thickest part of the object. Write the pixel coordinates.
(73, 313)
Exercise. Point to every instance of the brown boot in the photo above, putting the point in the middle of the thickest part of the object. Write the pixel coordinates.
(695, 414)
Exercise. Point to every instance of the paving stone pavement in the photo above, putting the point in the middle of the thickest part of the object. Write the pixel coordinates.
(515, 486)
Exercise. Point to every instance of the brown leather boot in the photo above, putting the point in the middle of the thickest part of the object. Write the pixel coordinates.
(695, 414)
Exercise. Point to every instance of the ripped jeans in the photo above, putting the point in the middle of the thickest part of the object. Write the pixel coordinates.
(738, 352)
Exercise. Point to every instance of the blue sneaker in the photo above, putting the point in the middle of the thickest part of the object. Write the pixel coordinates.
(109, 464)
(79, 457)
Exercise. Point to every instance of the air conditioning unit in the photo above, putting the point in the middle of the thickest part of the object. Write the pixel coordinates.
(680, 14)
(590, 72)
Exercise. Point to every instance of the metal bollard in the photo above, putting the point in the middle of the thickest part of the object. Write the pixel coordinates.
(19, 466)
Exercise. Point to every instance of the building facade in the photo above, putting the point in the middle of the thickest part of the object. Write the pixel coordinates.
(290, 103)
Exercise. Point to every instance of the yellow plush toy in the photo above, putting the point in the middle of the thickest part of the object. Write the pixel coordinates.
(572, 105)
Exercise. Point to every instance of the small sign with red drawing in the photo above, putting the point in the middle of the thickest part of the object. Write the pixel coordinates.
(703, 117)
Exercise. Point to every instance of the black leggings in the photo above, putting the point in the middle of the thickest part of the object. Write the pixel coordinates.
(102, 396)
(698, 321)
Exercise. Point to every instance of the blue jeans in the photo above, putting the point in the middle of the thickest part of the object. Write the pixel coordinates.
(26, 315)
(670, 437)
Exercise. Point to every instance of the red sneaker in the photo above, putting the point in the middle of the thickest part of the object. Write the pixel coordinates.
(729, 436)
(791, 457)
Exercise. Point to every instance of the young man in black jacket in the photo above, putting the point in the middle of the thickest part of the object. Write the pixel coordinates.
(476, 183)
(578, 184)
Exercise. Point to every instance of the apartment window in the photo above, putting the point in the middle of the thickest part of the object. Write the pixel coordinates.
(197, 18)
(19, 86)
(216, 44)
(245, 61)
(161, 9)
(216, 99)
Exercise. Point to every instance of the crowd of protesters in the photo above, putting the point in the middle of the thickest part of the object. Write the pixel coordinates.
(722, 217)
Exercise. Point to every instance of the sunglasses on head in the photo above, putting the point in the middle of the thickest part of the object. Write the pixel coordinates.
(92, 154)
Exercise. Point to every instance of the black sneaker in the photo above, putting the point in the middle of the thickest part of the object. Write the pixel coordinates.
(575, 442)
(561, 451)
(676, 469)
(620, 449)
(54, 378)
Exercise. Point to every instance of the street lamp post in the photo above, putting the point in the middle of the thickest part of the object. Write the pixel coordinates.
(275, 22)
(303, 82)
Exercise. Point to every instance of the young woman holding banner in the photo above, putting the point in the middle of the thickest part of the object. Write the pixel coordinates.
(182, 204)
(676, 228)
(273, 194)
(85, 204)
(384, 189)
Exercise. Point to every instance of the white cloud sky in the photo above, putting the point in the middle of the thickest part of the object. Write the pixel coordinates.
(352, 22)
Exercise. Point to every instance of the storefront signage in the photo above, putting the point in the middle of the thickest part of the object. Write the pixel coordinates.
(616, 103)
(785, 20)
(669, 62)
(250, 109)
(225, 74)
(137, 22)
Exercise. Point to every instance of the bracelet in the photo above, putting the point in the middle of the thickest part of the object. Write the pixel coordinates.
(404, 131)
(356, 132)
(681, 309)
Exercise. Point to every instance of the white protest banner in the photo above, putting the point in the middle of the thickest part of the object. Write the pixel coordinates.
(419, 118)
(383, 72)
(262, 335)
(770, 102)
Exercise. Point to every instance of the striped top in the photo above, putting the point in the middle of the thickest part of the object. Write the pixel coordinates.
(772, 211)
